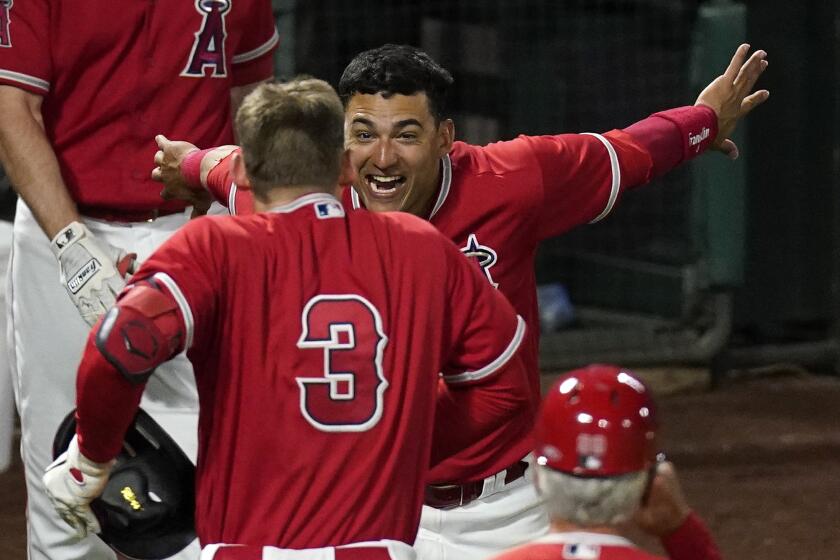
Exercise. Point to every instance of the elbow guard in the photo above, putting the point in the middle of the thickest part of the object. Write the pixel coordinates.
(143, 330)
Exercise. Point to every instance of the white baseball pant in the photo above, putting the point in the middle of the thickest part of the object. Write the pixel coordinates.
(48, 337)
(395, 550)
(504, 516)
(7, 402)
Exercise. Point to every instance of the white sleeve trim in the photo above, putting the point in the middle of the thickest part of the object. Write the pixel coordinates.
(259, 51)
(183, 305)
(25, 79)
(616, 177)
(496, 364)
(232, 199)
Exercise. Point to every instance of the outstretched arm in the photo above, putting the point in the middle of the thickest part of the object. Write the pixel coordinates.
(183, 169)
(199, 176)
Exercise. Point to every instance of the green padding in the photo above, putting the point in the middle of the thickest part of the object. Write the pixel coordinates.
(719, 184)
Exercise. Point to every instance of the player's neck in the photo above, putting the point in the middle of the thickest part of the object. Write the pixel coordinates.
(563, 526)
(281, 196)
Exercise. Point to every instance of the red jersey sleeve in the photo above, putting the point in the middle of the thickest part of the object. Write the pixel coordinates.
(485, 384)
(238, 200)
(253, 59)
(582, 176)
(187, 265)
(25, 57)
(486, 332)
(691, 541)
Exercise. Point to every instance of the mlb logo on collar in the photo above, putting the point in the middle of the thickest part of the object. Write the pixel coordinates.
(326, 210)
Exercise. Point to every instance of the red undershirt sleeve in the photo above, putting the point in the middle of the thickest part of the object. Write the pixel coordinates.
(691, 541)
(674, 136)
(106, 403)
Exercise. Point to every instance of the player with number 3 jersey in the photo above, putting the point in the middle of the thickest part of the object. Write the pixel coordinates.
(322, 341)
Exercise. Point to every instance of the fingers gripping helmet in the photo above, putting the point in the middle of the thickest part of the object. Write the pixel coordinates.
(147, 509)
(597, 421)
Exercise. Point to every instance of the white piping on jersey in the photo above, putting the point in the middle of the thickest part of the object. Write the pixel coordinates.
(186, 312)
(583, 537)
(445, 183)
(616, 177)
(25, 79)
(496, 364)
(259, 51)
(232, 199)
(302, 201)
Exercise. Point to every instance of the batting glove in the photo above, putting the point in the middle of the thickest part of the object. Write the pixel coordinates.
(93, 272)
(72, 482)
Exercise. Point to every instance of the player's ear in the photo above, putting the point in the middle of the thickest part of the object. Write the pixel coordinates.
(347, 174)
(446, 136)
(237, 169)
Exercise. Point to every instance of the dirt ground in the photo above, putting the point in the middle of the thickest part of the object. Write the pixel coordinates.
(759, 459)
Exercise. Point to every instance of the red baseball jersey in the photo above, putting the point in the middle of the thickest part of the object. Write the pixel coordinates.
(578, 546)
(114, 74)
(318, 340)
(691, 541)
(498, 202)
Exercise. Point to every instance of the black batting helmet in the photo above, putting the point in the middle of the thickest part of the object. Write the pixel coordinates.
(147, 511)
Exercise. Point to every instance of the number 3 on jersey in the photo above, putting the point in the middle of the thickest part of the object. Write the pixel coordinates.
(348, 396)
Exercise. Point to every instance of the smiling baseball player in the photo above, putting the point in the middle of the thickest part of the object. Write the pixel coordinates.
(497, 203)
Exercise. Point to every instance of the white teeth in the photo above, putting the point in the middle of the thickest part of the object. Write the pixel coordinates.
(383, 179)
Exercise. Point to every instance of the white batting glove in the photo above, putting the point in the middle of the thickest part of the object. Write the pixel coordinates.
(93, 272)
(72, 482)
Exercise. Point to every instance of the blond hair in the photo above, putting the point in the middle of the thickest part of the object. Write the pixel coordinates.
(291, 134)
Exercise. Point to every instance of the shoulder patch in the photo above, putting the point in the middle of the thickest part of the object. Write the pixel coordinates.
(5, 20)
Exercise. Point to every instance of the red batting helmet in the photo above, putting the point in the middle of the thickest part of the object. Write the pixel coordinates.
(597, 421)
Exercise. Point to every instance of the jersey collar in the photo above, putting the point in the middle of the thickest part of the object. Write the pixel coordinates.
(443, 191)
(582, 537)
(305, 200)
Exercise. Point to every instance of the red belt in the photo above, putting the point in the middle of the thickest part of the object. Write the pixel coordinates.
(448, 496)
(126, 216)
(349, 553)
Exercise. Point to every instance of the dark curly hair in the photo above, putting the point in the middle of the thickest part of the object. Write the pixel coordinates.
(397, 69)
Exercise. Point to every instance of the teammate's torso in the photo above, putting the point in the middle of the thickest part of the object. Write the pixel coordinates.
(115, 74)
(321, 403)
(486, 207)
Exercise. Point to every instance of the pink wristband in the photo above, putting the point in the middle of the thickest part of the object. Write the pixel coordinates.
(191, 168)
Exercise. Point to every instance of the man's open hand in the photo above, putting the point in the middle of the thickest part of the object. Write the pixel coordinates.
(729, 95)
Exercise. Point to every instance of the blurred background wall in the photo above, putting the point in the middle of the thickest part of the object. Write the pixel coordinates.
(720, 263)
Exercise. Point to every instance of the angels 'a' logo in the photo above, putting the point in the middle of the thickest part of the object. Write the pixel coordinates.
(5, 12)
(483, 255)
(209, 45)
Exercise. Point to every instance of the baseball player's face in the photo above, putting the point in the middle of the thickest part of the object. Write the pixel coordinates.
(395, 147)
